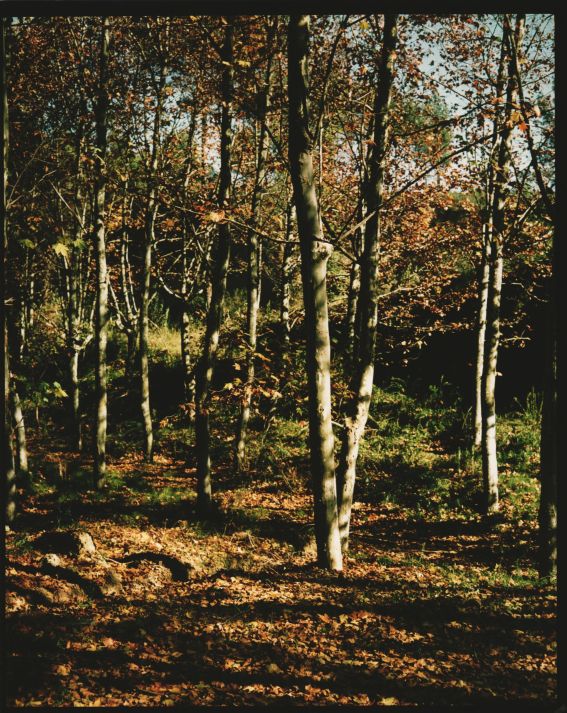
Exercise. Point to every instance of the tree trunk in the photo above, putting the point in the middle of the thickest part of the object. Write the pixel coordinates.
(10, 493)
(254, 262)
(363, 374)
(315, 253)
(487, 238)
(286, 274)
(547, 515)
(218, 288)
(7, 453)
(188, 380)
(481, 337)
(151, 210)
(352, 310)
(73, 342)
(101, 309)
(20, 429)
(496, 263)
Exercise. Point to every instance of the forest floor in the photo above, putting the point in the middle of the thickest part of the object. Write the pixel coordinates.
(435, 606)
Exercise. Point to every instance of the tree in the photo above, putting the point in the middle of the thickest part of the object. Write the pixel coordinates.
(496, 264)
(101, 311)
(363, 368)
(7, 453)
(254, 253)
(158, 82)
(315, 253)
(219, 272)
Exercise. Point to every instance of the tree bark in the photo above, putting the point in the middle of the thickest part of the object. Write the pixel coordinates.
(101, 307)
(20, 429)
(73, 321)
(218, 287)
(352, 311)
(547, 516)
(10, 493)
(363, 374)
(481, 337)
(254, 261)
(315, 253)
(151, 210)
(487, 238)
(286, 274)
(496, 263)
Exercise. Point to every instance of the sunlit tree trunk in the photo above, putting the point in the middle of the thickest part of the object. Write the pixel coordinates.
(221, 256)
(315, 253)
(151, 210)
(496, 263)
(101, 308)
(487, 237)
(188, 370)
(349, 328)
(254, 260)
(481, 336)
(129, 322)
(73, 321)
(363, 374)
(20, 430)
(286, 274)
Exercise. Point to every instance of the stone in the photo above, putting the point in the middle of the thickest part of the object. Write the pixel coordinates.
(50, 560)
(86, 543)
(112, 583)
(65, 542)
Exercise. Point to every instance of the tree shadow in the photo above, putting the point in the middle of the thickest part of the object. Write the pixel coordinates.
(202, 656)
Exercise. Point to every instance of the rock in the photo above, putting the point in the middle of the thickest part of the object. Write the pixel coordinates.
(86, 543)
(310, 548)
(41, 595)
(112, 583)
(65, 542)
(50, 560)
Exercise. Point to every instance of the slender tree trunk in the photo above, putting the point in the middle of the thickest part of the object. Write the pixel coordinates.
(151, 210)
(10, 492)
(363, 374)
(315, 253)
(496, 263)
(218, 288)
(75, 400)
(548, 496)
(352, 310)
(481, 336)
(20, 429)
(254, 262)
(7, 453)
(144, 331)
(20, 331)
(188, 380)
(73, 346)
(101, 309)
(185, 333)
(286, 274)
(487, 239)
(130, 321)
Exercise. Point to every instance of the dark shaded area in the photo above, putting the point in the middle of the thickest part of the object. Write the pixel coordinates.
(431, 614)
(179, 570)
(90, 588)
